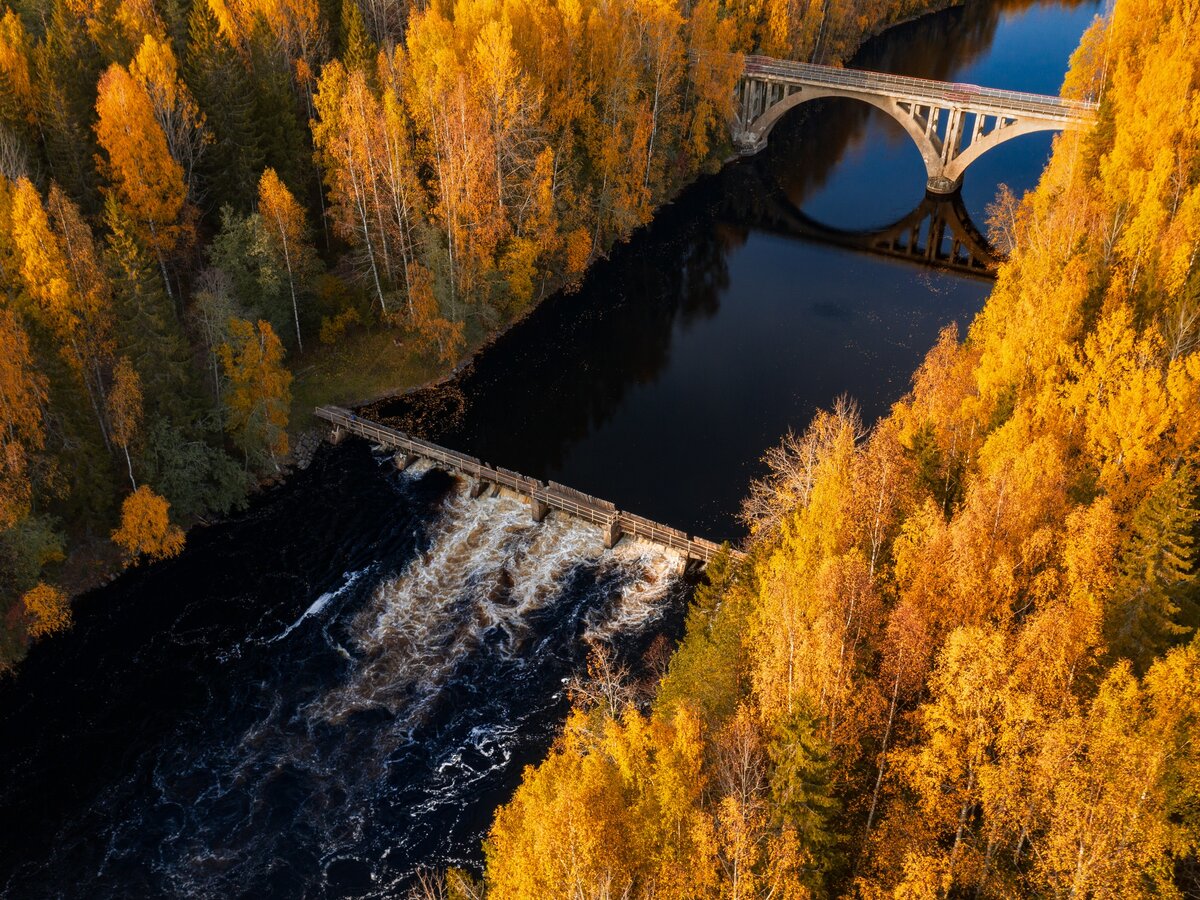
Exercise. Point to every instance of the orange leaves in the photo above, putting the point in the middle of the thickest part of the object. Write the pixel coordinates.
(295, 25)
(147, 181)
(124, 408)
(279, 208)
(347, 135)
(16, 86)
(146, 529)
(62, 273)
(43, 267)
(461, 149)
(47, 608)
(182, 123)
(1121, 401)
(259, 394)
(617, 803)
(22, 399)
(287, 235)
(713, 72)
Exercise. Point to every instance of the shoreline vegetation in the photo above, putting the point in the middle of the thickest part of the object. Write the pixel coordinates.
(961, 659)
(217, 215)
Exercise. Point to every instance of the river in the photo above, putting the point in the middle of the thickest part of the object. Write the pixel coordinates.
(340, 685)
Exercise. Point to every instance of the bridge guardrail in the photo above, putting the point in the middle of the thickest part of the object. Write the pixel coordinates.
(920, 87)
(553, 495)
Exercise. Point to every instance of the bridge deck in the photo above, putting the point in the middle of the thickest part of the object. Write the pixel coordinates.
(922, 90)
(552, 495)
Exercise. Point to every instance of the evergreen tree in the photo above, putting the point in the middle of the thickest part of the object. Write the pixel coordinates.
(801, 787)
(225, 91)
(148, 332)
(260, 287)
(1156, 570)
(359, 51)
(188, 467)
(283, 134)
(66, 69)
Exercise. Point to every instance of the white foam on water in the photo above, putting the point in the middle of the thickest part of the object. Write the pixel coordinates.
(488, 569)
(318, 605)
(642, 600)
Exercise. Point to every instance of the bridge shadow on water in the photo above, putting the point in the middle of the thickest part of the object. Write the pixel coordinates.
(537, 399)
(938, 232)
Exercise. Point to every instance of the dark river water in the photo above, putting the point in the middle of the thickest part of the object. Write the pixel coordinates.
(339, 686)
(716, 329)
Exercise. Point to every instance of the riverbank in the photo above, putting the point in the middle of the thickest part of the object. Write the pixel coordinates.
(377, 363)
(372, 362)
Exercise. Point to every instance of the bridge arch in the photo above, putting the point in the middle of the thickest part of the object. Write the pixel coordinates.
(958, 166)
(934, 114)
(759, 130)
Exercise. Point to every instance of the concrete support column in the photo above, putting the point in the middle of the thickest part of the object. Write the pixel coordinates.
(954, 128)
(477, 488)
(539, 509)
(612, 533)
(336, 436)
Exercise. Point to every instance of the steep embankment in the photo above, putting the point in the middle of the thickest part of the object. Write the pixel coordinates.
(961, 657)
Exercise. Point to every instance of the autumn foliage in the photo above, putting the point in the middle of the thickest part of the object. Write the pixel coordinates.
(146, 530)
(48, 609)
(961, 659)
(190, 192)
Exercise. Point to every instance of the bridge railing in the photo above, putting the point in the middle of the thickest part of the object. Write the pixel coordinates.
(552, 495)
(1020, 101)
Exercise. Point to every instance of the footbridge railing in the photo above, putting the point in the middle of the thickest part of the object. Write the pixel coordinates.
(543, 497)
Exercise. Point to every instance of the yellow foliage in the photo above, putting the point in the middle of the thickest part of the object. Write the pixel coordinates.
(146, 530)
(148, 182)
(22, 399)
(259, 393)
(48, 610)
(15, 68)
(615, 808)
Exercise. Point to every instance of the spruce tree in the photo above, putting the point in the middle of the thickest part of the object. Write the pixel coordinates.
(1155, 575)
(66, 69)
(359, 51)
(147, 329)
(802, 787)
(225, 91)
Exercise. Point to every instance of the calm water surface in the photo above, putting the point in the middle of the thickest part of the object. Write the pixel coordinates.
(339, 686)
(701, 342)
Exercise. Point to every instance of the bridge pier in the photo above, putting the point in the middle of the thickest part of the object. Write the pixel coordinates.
(539, 509)
(403, 460)
(940, 184)
(478, 488)
(612, 533)
(337, 435)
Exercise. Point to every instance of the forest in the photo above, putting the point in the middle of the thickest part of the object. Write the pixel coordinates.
(203, 203)
(961, 659)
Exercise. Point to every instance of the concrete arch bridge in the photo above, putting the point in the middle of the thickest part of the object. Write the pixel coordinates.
(952, 124)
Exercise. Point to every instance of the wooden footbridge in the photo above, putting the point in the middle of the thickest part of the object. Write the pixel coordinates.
(543, 497)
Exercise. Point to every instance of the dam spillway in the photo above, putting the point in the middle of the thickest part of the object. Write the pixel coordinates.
(543, 497)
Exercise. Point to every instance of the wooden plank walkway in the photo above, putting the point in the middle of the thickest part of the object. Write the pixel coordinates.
(543, 497)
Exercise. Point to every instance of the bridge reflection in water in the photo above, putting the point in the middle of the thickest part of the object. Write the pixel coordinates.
(938, 232)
